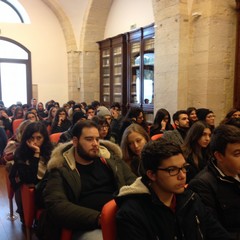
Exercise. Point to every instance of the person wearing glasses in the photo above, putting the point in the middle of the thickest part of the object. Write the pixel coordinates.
(158, 206)
(60, 123)
(207, 115)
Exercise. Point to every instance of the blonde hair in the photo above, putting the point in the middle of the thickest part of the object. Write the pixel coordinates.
(127, 153)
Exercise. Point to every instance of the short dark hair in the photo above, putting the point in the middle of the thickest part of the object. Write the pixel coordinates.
(78, 127)
(154, 152)
(95, 104)
(100, 120)
(222, 136)
(177, 114)
(115, 105)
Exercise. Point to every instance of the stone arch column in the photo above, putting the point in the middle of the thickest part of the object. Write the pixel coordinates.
(92, 31)
(198, 53)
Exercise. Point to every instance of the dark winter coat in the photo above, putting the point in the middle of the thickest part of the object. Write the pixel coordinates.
(222, 196)
(142, 216)
(63, 190)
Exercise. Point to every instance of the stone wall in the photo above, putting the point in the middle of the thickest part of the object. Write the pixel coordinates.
(195, 54)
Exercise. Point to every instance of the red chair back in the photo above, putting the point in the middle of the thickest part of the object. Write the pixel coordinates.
(49, 129)
(156, 136)
(30, 212)
(66, 234)
(108, 220)
(54, 138)
(15, 124)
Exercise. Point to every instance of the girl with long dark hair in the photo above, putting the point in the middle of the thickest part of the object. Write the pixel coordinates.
(196, 147)
(30, 159)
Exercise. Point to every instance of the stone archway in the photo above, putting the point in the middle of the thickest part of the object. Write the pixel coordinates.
(83, 63)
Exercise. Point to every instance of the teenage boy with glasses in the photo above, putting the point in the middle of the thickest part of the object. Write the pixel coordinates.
(157, 205)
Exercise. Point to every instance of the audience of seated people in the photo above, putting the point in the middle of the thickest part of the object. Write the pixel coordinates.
(191, 129)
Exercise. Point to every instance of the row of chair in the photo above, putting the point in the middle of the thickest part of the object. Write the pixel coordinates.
(31, 213)
(17, 122)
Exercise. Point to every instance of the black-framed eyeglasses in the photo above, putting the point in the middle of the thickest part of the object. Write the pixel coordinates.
(173, 171)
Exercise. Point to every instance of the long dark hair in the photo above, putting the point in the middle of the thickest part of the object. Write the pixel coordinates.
(160, 115)
(229, 115)
(56, 118)
(24, 153)
(191, 145)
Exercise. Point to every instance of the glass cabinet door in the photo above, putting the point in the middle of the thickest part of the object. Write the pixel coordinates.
(135, 79)
(117, 74)
(106, 74)
(148, 74)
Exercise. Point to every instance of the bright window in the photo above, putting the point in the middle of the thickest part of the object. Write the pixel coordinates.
(11, 11)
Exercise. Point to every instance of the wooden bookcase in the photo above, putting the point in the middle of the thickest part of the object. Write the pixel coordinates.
(127, 69)
(113, 72)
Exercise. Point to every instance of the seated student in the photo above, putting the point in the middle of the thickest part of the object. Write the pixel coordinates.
(192, 115)
(134, 115)
(6, 122)
(196, 149)
(157, 206)
(207, 115)
(234, 113)
(161, 122)
(181, 121)
(90, 112)
(117, 118)
(60, 123)
(83, 175)
(30, 159)
(104, 128)
(219, 183)
(31, 116)
(13, 143)
(133, 140)
(67, 135)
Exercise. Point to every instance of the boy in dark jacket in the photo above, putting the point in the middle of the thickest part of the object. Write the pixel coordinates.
(157, 206)
(218, 184)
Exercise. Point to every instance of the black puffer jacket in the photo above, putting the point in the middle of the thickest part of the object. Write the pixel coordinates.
(221, 194)
(143, 216)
